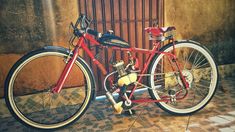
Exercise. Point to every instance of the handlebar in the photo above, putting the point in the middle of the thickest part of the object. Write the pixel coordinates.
(84, 23)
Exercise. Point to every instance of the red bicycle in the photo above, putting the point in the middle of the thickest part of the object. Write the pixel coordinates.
(53, 86)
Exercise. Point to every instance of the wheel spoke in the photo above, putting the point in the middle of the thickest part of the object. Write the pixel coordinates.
(201, 85)
(198, 63)
(205, 81)
(185, 62)
(194, 61)
(194, 64)
(202, 65)
(200, 91)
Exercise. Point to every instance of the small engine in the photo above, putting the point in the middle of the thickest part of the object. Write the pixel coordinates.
(124, 78)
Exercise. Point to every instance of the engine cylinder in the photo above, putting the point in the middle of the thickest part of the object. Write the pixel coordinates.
(120, 68)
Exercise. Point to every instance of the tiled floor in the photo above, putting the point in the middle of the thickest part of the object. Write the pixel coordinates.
(218, 115)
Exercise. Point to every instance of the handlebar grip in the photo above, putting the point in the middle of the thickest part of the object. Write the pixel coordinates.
(93, 32)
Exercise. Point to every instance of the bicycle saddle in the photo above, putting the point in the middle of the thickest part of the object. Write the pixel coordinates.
(108, 39)
(167, 29)
(156, 31)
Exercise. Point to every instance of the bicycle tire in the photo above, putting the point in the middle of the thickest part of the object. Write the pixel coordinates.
(176, 108)
(73, 110)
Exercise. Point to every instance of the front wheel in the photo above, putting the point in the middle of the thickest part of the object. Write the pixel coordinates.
(28, 89)
(199, 69)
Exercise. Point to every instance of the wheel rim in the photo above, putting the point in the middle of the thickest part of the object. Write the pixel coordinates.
(46, 110)
(201, 60)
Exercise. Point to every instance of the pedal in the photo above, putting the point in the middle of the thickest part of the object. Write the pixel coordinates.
(118, 107)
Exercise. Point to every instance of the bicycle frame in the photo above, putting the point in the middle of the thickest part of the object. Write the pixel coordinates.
(82, 44)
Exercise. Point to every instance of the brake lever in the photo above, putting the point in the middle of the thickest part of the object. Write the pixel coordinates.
(78, 21)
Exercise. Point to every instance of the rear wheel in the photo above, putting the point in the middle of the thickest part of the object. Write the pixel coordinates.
(28, 90)
(198, 68)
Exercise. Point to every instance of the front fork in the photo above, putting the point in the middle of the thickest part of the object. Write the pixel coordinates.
(66, 71)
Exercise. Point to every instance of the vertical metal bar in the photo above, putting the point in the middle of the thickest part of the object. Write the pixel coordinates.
(150, 12)
(128, 21)
(161, 12)
(160, 18)
(143, 26)
(113, 28)
(80, 12)
(79, 6)
(120, 20)
(112, 15)
(89, 45)
(103, 15)
(96, 50)
(150, 20)
(94, 14)
(136, 27)
(157, 7)
(112, 22)
(85, 5)
(104, 30)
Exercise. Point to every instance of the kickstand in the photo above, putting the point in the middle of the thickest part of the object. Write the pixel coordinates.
(129, 112)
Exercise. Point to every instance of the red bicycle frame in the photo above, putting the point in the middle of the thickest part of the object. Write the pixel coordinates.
(81, 44)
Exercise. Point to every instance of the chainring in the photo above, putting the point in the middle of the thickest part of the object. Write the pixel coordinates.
(124, 106)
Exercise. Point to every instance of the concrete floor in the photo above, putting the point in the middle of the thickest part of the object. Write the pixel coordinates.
(218, 115)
